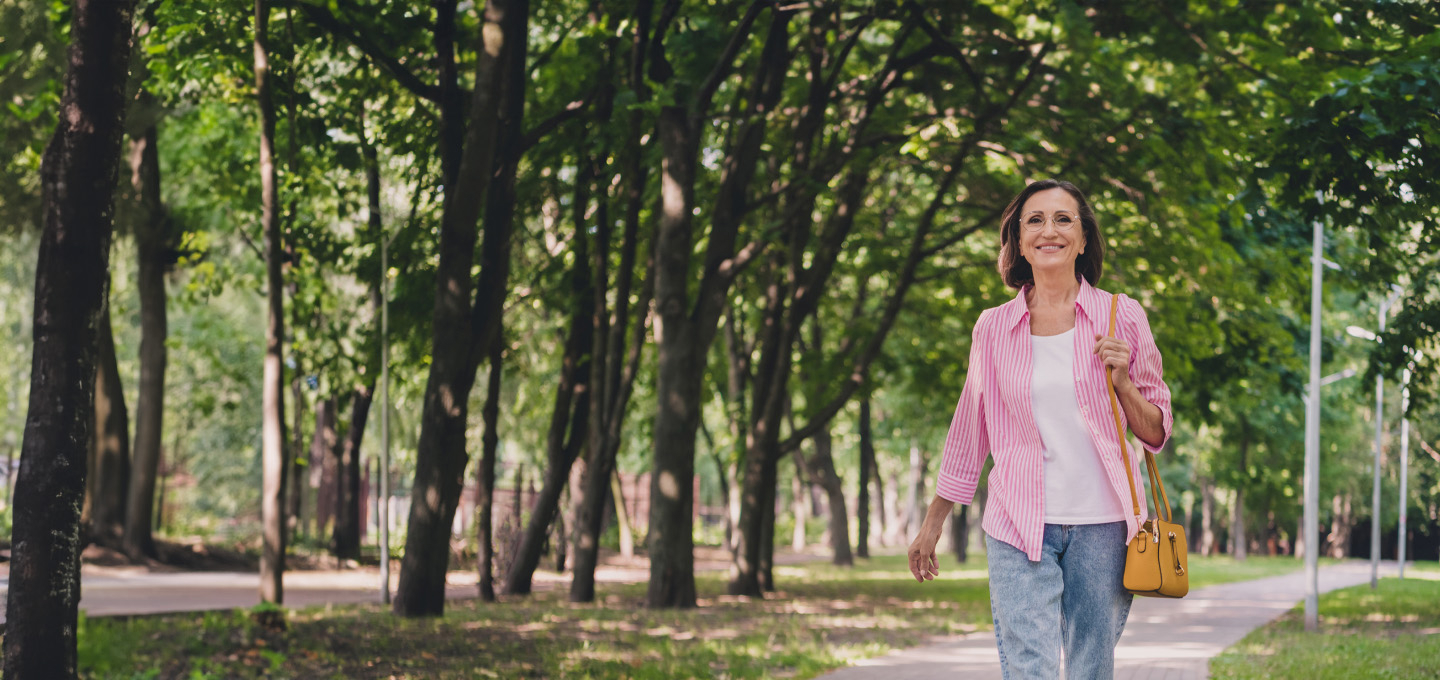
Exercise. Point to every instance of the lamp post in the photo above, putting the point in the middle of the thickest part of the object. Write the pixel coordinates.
(1312, 442)
(1385, 306)
(1333, 377)
(1404, 461)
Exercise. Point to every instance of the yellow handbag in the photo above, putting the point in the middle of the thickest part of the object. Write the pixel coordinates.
(1155, 558)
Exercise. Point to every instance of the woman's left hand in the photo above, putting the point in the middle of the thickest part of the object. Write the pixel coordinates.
(1114, 353)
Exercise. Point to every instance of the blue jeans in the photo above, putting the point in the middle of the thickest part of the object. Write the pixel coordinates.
(1072, 598)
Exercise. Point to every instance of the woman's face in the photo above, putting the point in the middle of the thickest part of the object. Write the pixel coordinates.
(1051, 236)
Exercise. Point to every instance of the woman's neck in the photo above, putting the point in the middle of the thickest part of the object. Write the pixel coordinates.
(1054, 290)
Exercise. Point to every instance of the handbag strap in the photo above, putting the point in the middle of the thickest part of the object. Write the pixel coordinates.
(1157, 488)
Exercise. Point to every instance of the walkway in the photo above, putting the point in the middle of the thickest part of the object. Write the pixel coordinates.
(123, 591)
(1163, 640)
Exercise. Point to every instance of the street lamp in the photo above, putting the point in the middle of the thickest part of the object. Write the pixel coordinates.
(1312, 438)
(1404, 459)
(1333, 377)
(1356, 331)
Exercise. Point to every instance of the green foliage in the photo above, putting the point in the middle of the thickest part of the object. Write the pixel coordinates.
(1199, 130)
(32, 54)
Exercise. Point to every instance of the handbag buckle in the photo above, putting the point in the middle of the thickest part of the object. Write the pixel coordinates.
(1179, 568)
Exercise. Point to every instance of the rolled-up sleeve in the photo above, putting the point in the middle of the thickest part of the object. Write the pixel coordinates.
(1146, 368)
(968, 443)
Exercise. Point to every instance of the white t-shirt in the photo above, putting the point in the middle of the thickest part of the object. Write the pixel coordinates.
(1076, 488)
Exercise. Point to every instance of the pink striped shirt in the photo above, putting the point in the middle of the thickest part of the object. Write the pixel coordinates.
(994, 415)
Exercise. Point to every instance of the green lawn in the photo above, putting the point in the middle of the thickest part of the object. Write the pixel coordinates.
(822, 618)
(1392, 632)
(1209, 571)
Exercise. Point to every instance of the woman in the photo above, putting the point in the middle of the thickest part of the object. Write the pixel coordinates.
(1059, 514)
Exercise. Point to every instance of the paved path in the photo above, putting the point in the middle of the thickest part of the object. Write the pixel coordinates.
(122, 591)
(134, 591)
(1163, 640)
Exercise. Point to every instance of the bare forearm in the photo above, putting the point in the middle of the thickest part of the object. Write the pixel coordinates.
(935, 517)
(1145, 418)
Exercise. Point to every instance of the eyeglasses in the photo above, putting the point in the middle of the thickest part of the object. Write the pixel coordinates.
(1064, 220)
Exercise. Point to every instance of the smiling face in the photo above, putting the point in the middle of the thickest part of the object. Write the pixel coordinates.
(1051, 248)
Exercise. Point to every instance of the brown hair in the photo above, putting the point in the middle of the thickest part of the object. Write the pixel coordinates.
(1015, 270)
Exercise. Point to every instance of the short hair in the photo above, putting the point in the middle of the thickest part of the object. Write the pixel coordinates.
(1015, 270)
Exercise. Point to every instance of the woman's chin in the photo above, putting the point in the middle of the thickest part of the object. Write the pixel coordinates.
(1055, 264)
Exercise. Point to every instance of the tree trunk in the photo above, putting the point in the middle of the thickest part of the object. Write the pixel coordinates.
(1207, 517)
(612, 383)
(458, 329)
(824, 467)
(558, 537)
(898, 512)
(1237, 527)
(914, 514)
(883, 509)
(152, 239)
(1342, 509)
(1238, 542)
(108, 485)
(622, 517)
(324, 473)
(571, 413)
(485, 475)
(867, 467)
(766, 562)
(299, 463)
(800, 506)
(960, 532)
(679, 366)
(347, 512)
(732, 513)
(272, 497)
(785, 312)
(1187, 520)
(723, 475)
(162, 482)
(1272, 535)
(982, 496)
(770, 390)
(686, 327)
(78, 179)
(519, 498)
(571, 427)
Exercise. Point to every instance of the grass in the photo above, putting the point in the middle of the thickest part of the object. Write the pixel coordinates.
(824, 617)
(1391, 632)
(1209, 571)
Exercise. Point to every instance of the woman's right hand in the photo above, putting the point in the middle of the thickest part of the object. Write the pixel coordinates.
(923, 564)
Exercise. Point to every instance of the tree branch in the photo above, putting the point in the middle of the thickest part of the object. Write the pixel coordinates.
(325, 19)
(561, 117)
(948, 48)
(251, 242)
(727, 59)
(543, 57)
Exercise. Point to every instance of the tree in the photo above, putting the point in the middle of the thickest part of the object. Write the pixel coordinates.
(687, 324)
(272, 499)
(109, 468)
(79, 174)
(615, 363)
(151, 226)
(461, 335)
